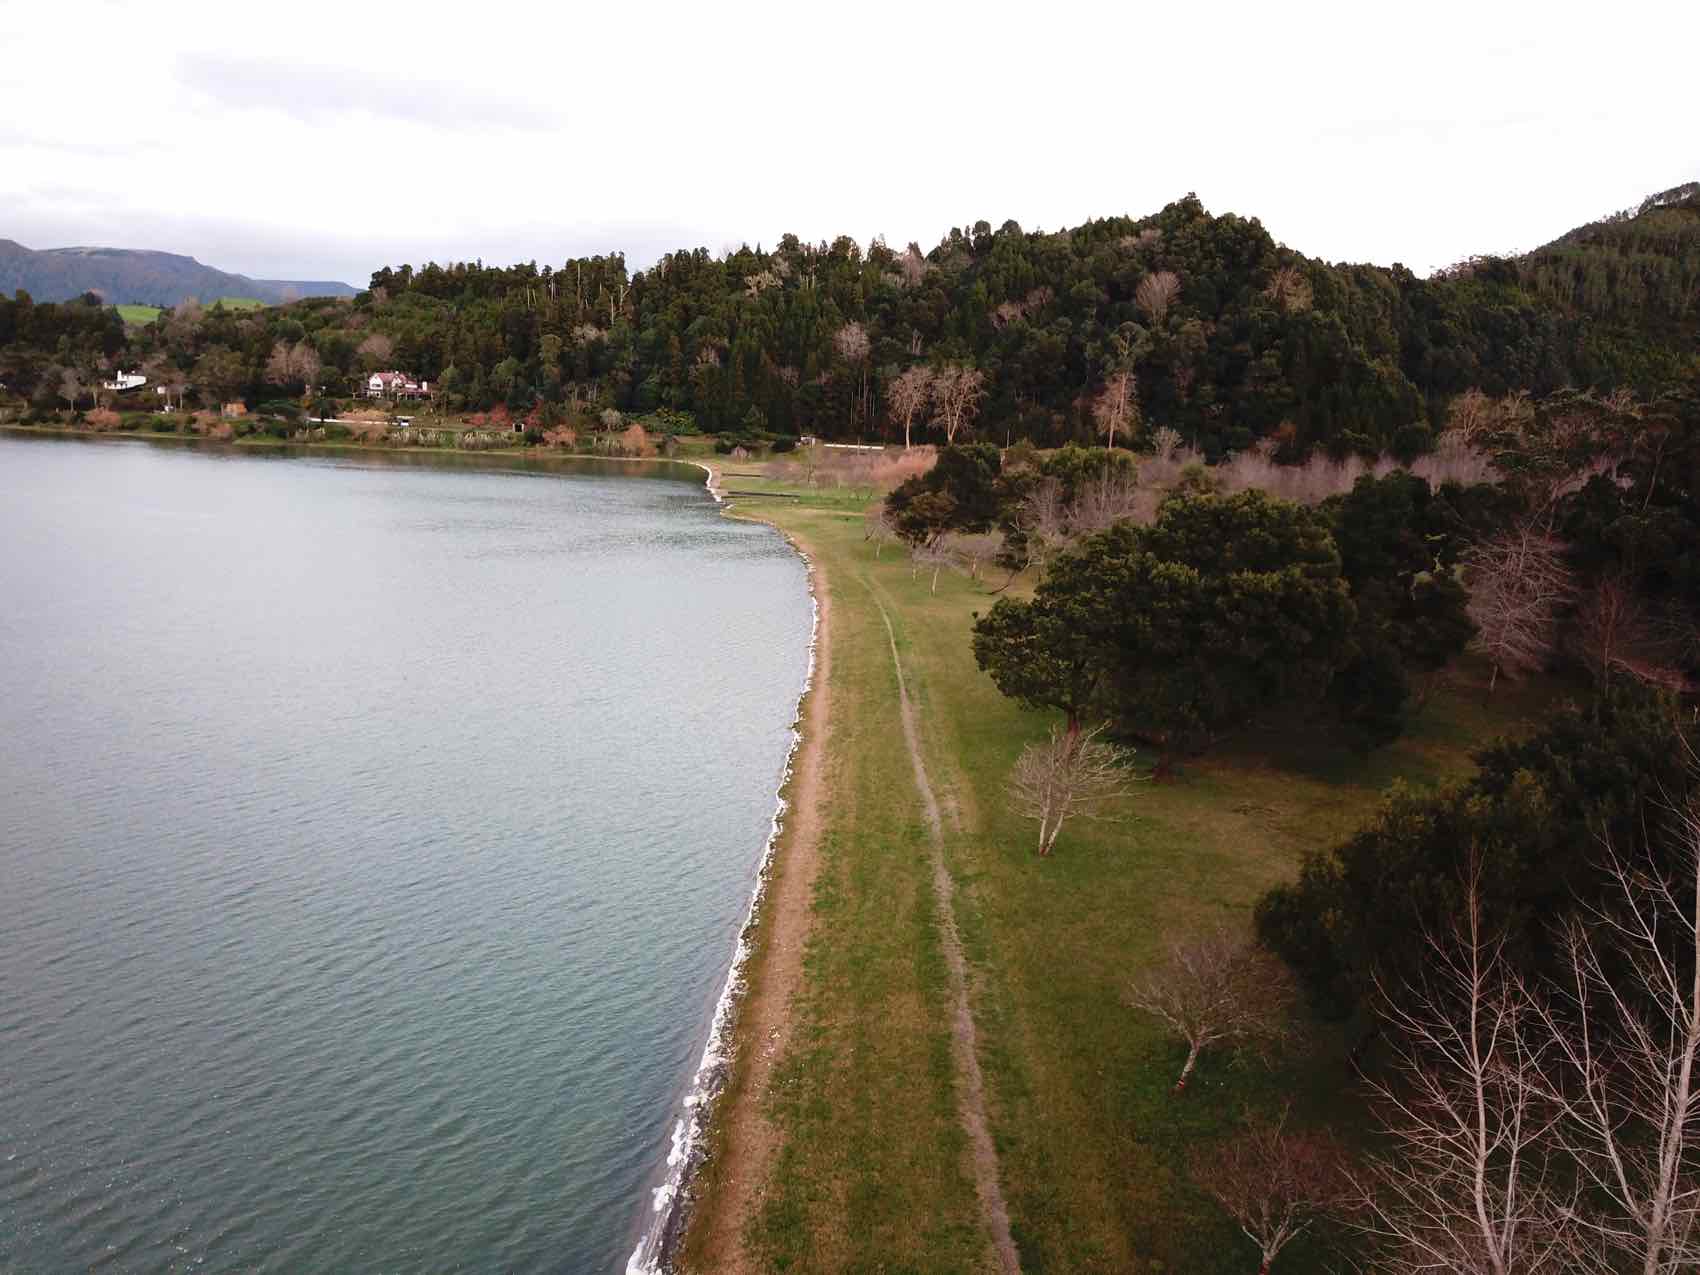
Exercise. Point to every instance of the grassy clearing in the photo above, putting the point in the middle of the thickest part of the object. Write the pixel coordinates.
(138, 315)
(241, 303)
(1092, 1147)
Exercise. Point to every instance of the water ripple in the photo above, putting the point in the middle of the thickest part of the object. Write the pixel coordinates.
(373, 841)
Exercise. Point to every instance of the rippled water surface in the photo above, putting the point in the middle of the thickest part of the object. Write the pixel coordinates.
(373, 842)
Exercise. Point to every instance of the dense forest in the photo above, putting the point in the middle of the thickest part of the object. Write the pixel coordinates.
(1224, 335)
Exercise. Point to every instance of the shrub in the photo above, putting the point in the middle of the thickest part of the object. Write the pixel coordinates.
(281, 408)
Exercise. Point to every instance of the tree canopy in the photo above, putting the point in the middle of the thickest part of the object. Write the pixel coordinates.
(1223, 607)
(1224, 335)
(1535, 816)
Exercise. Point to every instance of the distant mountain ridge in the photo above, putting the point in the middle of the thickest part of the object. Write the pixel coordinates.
(128, 276)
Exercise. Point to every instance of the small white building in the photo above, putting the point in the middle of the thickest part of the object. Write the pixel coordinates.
(125, 381)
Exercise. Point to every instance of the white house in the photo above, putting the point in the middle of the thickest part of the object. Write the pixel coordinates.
(125, 381)
(395, 385)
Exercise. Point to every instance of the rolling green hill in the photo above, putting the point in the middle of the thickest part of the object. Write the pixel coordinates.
(122, 276)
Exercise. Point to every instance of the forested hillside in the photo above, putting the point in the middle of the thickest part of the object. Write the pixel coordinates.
(1231, 336)
(1228, 336)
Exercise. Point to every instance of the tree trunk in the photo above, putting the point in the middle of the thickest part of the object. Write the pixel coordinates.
(1051, 838)
(1186, 1071)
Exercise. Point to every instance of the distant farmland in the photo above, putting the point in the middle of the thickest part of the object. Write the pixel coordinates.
(142, 315)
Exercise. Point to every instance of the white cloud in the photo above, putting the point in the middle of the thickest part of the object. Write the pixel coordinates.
(328, 139)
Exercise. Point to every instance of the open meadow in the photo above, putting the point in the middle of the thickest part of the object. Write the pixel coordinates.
(871, 1171)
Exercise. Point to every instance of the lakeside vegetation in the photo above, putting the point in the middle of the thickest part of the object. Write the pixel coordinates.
(1391, 834)
(1092, 1147)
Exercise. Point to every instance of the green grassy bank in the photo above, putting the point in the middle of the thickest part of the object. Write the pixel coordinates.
(870, 1174)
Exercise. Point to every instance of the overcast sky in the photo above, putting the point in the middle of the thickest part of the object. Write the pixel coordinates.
(324, 140)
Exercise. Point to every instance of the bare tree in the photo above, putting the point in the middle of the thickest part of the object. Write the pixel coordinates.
(1518, 583)
(296, 364)
(1166, 442)
(908, 394)
(1469, 1185)
(185, 317)
(1044, 519)
(970, 552)
(957, 392)
(1156, 292)
(1117, 407)
(1100, 505)
(877, 526)
(1624, 1029)
(1289, 289)
(1070, 774)
(931, 554)
(167, 376)
(913, 266)
(376, 352)
(1217, 989)
(1616, 632)
(1275, 1183)
(71, 386)
(853, 345)
(1471, 415)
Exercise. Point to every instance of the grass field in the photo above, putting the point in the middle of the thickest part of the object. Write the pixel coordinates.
(141, 315)
(1092, 1148)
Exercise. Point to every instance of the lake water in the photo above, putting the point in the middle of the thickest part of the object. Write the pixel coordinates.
(374, 840)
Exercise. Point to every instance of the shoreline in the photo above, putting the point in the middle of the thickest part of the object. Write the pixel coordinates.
(702, 1114)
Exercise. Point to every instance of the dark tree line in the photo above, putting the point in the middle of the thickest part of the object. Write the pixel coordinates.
(1227, 336)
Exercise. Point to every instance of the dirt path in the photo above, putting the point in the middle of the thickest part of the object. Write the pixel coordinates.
(973, 1094)
(751, 1139)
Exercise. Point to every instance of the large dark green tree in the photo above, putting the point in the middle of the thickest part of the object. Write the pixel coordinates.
(1227, 606)
(959, 493)
(1534, 817)
(1399, 550)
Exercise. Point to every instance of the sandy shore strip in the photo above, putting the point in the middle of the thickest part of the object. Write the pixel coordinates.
(748, 1140)
(753, 1021)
